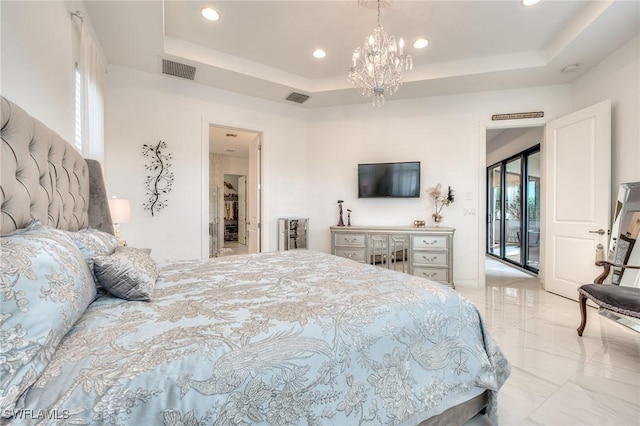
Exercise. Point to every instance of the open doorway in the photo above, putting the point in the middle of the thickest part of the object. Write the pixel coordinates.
(234, 196)
(513, 196)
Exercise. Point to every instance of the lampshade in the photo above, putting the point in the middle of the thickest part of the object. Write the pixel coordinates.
(120, 210)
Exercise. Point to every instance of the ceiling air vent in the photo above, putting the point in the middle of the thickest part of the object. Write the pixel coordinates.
(297, 97)
(177, 69)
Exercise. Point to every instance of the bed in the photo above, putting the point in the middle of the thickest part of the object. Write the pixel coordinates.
(93, 333)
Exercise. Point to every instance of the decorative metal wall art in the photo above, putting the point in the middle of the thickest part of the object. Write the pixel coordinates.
(160, 180)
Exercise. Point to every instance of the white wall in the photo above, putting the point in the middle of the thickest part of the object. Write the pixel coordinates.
(144, 108)
(617, 78)
(446, 134)
(38, 61)
(309, 156)
(235, 165)
(513, 141)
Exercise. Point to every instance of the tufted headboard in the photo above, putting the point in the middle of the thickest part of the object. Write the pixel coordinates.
(43, 177)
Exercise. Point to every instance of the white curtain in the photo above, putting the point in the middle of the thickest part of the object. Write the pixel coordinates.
(92, 71)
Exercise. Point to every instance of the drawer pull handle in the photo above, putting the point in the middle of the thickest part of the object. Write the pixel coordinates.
(431, 275)
(430, 259)
(430, 243)
(351, 255)
(350, 240)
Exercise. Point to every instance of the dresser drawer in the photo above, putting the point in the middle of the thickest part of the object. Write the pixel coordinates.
(439, 275)
(356, 254)
(430, 258)
(425, 241)
(356, 240)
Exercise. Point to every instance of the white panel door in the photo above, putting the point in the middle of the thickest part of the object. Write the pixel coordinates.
(242, 210)
(577, 160)
(254, 198)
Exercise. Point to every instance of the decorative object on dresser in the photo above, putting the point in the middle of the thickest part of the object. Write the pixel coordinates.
(340, 220)
(293, 233)
(423, 252)
(120, 210)
(160, 182)
(349, 217)
(440, 201)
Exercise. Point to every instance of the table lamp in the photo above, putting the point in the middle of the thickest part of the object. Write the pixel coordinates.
(120, 213)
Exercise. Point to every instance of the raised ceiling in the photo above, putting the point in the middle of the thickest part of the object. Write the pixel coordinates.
(264, 48)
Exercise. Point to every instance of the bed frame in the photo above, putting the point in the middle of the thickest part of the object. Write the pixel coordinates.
(43, 177)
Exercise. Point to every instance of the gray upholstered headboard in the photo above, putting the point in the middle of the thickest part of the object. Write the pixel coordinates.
(43, 177)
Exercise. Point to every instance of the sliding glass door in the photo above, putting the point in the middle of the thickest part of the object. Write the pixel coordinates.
(513, 209)
(494, 204)
(532, 254)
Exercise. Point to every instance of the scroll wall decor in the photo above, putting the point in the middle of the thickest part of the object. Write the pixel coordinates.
(159, 183)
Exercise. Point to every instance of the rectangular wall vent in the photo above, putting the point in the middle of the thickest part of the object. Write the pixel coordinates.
(177, 69)
(297, 97)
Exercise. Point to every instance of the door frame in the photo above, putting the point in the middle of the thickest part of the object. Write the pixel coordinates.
(482, 183)
(204, 185)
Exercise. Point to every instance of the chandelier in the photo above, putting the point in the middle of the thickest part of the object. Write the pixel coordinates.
(378, 64)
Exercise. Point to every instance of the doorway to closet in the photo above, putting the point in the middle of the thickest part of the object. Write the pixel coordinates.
(513, 196)
(234, 197)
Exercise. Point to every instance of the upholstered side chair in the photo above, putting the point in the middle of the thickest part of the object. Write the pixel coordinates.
(620, 299)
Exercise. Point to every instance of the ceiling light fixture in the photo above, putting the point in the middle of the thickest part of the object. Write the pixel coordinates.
(377, 65)
(319, 53)
(420, 43)
(210, 14)
(530, 2)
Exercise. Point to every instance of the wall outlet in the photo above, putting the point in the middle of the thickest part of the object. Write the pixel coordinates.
(469, 212)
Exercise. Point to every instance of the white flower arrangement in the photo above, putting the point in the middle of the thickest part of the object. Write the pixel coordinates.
(440, 200)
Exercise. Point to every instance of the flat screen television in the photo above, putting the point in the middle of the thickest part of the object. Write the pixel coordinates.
(389, 180)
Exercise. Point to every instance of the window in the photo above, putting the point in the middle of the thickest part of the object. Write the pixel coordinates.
(77, 142)
(89, 78)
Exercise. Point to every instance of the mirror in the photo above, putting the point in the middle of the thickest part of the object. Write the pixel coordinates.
(624, 234)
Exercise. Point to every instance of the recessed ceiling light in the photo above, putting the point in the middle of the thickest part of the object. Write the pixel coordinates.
(232, 135)
(420, 43)
(230, 150)
(319, 53)
(570, 68)
(210, 14)
(529, 2)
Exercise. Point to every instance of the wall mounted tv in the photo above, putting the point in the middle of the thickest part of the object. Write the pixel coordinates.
(389, 180)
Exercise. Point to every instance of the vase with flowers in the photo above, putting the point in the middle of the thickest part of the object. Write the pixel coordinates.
(440, 200)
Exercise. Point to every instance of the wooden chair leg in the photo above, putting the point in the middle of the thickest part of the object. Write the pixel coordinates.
(583, 312)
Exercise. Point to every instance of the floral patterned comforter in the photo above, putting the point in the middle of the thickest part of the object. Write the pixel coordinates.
(295, 337)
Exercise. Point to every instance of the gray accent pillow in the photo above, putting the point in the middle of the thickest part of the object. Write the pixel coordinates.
(92, 243)
(129, 273)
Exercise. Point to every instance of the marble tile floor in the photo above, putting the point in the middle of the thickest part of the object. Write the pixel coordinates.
(231, 248)
(558, 378)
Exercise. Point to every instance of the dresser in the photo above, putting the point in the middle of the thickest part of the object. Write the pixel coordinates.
(423, 252)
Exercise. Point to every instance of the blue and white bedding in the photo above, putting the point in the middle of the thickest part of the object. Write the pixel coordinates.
(284, 338)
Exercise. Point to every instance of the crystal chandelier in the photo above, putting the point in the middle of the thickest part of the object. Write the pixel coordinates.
(377, 65)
